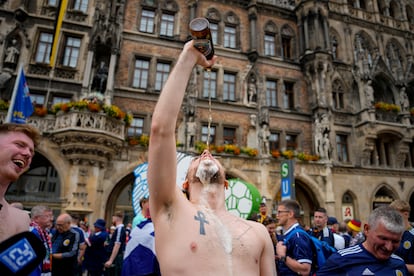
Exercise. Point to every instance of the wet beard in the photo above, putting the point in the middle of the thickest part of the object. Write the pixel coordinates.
(206, 171)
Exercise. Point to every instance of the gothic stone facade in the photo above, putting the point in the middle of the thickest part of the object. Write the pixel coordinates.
(332, 79)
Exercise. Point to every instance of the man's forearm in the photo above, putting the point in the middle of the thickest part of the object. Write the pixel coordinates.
(114, 253)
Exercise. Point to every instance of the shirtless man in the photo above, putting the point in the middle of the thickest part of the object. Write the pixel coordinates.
(197, 236)
(16, 152)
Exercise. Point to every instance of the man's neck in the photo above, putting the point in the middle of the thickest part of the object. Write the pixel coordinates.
(288, 225)
(210, 196)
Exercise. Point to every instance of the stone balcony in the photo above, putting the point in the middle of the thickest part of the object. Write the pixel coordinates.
(82, 136)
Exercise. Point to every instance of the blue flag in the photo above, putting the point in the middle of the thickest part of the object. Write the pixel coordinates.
(140, 258)
(21, 108)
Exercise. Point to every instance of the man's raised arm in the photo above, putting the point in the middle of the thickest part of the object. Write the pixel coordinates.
(162, 163)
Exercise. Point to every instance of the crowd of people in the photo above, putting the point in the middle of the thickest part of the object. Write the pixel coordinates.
(176, 235)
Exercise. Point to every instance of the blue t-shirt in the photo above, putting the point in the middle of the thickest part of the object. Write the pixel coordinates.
(298, 247)
(356, 260)
(406, 249)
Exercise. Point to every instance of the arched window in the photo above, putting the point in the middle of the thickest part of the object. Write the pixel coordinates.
(288, 42)
(338, 95)
(410, 14)
(395, 10)
(270, 39)
(231, 32)
(348, 208)
(214, 18)
(394, 55)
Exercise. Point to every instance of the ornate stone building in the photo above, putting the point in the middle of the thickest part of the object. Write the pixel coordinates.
(332, 79)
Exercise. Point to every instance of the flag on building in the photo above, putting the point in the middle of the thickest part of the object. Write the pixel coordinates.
(60, 14)
(139, 257)
(21, 106)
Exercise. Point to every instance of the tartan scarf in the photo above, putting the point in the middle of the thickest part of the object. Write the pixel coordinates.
(47, 242)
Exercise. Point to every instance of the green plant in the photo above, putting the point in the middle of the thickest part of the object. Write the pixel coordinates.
(389, 107)
(249, 151)
(4, 105)
(144, 140)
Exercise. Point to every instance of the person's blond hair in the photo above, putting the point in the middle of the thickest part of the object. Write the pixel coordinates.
(29, 130)
(401, 205)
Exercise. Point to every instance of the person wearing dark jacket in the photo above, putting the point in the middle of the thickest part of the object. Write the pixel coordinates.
(64, 247)
(95, 254)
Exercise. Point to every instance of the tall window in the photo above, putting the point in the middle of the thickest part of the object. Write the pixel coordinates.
(163, 70)
(274, 141)
(271, 93)
(57, 99)
(72, 49)
(269, 45)
(210, 84)
(286, 47)
(147, 21)
(141, 72)
(291, 142)
(37, 99)
(52, 3)
(337, 95)
(229, 135)
(44, 47)
(80, 5)
(342, 147)
(204, 134)
(288, 95)
(214, 32)
(229, 87)
(229, 37)
(136, 128)
(167, 25)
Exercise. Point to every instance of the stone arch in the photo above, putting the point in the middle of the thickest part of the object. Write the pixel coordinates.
(395, 56)
(271, 27)
(364, 48)
(170, 5)
(409, 13)
(395, 9)
(236, 173)
(308, 194)
(349, 205)
(383, 194)
(382, 7)
(41, 184)
(384, 89)
(213, 15)
(116, 193)
(338, 94)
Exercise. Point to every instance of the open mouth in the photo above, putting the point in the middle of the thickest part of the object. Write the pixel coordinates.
(207, 171)
(19, 163)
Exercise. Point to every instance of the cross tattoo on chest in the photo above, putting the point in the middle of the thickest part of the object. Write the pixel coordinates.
(202, 218)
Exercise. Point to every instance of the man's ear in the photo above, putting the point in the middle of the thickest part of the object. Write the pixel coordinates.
(366, 228)
(226, 184)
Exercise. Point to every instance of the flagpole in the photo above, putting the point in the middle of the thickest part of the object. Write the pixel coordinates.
(60, 14)
(13, 98)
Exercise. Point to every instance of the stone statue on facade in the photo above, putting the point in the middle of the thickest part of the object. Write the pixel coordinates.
(100, 78)
(369, 94)
(404, 102)
(321, 136)
(264, 135)
(251, 92)
(12, 53)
